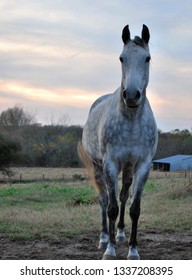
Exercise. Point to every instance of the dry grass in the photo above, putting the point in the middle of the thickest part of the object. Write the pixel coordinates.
(56, 209)
(168, 205)
(57, 222)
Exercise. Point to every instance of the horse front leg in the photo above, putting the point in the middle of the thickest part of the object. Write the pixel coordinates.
(113, 209)
(134, 214)
(140, 179)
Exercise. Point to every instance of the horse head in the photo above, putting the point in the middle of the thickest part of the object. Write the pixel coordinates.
(135, 59)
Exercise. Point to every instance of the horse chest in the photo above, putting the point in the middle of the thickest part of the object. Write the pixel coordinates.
(123, 142)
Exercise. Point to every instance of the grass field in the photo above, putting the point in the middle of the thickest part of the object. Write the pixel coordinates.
(55, 209)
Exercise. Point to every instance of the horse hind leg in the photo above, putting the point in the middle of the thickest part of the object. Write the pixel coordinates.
(110, 170)
(96, 174)
(100, 185)
(104, 236)
(124, 194)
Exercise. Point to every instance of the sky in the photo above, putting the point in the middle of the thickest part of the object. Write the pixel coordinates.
(58, 56)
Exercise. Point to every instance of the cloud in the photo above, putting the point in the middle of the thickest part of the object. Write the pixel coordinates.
(66, 96)
(64, 54)
(52, 102)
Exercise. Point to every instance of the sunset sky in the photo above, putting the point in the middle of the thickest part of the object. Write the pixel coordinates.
(58, 56)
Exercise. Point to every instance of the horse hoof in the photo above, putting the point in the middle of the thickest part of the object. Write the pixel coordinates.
(102, 245)
(108, 257)
(133, 257)
(133, 254)
(110, 253)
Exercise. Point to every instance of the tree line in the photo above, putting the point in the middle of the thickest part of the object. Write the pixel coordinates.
(24, 142)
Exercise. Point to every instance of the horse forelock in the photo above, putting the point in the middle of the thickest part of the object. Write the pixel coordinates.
(139, 42)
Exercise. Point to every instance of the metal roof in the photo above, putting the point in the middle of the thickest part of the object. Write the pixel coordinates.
(173, 159)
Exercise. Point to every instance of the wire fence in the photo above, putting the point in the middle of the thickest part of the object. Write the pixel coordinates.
(33, 174)
(175, 174)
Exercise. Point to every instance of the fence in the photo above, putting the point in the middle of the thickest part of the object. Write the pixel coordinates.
(25, 174)
(33, 174)
(176, 174)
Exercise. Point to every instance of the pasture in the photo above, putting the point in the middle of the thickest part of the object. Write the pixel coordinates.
(60, 219)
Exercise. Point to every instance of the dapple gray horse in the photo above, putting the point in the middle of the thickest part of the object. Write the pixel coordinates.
(121, 135)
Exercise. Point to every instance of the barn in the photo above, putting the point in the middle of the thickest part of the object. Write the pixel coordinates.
(178, 162)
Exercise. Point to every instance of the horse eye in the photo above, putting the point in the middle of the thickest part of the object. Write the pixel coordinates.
(148, 58)
(121, 59)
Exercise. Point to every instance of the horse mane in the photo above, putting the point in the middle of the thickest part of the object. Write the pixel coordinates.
(140, 42)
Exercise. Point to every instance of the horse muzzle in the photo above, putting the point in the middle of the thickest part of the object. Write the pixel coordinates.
(131, 99)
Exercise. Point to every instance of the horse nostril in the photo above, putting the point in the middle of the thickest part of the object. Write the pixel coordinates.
(124, 94)
(138, 95)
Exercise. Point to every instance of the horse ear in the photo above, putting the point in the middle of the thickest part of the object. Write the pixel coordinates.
(145, 35)
(126, 34)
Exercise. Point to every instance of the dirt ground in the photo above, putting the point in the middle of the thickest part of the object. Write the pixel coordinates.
(152, 245)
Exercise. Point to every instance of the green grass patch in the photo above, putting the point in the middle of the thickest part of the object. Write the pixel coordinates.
(43, 210)
(35, 194)
(150, 185)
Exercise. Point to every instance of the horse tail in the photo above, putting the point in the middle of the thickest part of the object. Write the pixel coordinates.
(86, 160)
(99, 186)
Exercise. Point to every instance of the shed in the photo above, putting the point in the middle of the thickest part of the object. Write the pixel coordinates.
(178, 162)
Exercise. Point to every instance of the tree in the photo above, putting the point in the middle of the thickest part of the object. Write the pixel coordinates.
(173, 143)
(8, 154)
(16, 117)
